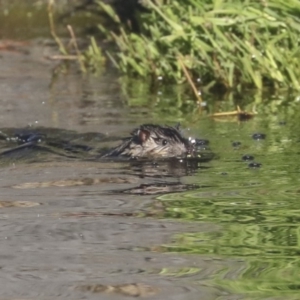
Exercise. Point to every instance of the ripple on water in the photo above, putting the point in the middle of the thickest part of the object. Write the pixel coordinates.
(130, 290)
(259, 215)
(4, 204)
(241, 204)
(91, 234)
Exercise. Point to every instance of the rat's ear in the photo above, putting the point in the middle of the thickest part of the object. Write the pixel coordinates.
(143, 135)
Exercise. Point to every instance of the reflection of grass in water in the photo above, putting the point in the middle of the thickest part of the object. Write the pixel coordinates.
(267, 278)
(257, 212)
(271, 253)
(180, 272)
(242, 240)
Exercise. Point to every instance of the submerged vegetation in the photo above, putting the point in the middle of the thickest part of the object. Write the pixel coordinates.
(226, 44)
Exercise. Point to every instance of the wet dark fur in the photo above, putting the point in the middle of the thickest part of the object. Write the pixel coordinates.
(153, 141)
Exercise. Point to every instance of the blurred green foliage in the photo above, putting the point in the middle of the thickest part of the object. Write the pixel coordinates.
(93, 56)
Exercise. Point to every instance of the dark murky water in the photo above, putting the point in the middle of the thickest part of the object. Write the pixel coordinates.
(74, 228)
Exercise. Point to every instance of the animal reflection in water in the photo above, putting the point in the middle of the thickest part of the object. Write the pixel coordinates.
(151, 151)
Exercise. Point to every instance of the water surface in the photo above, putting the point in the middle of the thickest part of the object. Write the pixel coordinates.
(75, 228)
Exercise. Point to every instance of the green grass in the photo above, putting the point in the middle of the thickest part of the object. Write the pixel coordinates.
(227, 44)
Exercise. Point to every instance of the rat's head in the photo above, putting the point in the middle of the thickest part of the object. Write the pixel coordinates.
(158, 141)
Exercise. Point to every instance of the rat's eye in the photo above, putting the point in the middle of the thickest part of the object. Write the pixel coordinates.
(164, 142)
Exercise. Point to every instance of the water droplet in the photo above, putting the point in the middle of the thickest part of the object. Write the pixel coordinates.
(258, 136)
(254, 165)
(236, 144)
(201, 142)
(247, 157)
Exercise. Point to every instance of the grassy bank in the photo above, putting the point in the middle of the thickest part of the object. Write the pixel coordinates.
(224, 44)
